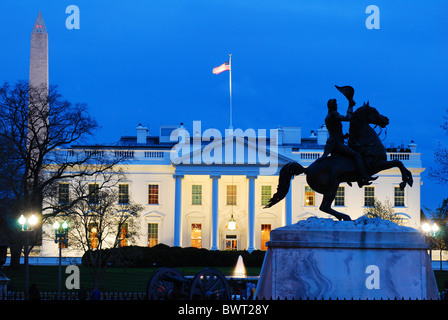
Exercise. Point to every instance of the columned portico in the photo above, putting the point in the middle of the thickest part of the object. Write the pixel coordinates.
(215, 212)
(178, 210)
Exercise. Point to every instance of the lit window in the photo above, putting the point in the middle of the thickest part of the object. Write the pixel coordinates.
(63, 193)
(93, 235)
(153, 194)
(231, 242)
(123, 237)
(369, 196)
(266, 192)
(309, 196)
(265, 235)
(231, 195)
(123, 194)
(196, 235)
(339, 200)
(398, 197)
(63, 244)
(196, 194)
(153, 234)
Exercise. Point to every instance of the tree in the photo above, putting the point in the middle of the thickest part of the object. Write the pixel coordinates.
(383, 211)
(37, 126)
(439, 172)
(100, 220)
(439, 240)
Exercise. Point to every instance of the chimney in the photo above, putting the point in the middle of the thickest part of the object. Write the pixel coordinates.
(322, 135)
(413, 146)
(142, 133)
(280, 136)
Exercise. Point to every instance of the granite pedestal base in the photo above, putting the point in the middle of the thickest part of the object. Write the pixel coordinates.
(361, 259)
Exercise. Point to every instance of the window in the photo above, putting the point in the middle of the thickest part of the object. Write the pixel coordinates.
(153, 194)
(339, 200)
(398, 197)
(266, 193)
(265, 235)
(153, 234)
(63, 193)
(310, 196)
(231, 195)
(231, 242)
(123, 194)
(123, 236)
(196, 194)
(369, 196)
(93, 235)
(63, 243)
(196, 235)
(93, 193)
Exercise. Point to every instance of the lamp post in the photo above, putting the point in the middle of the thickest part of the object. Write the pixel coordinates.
(430, 231)
(27, 226)
(60, 232)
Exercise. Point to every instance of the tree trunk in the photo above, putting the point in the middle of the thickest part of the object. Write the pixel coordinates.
(16, 251)
(3, 251)
(441, 257)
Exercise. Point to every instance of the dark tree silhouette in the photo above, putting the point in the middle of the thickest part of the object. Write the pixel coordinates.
(37, 129)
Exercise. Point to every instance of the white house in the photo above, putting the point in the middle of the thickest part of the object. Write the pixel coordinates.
(208, 189)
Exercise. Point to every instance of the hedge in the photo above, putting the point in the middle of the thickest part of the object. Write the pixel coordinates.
(162, 255)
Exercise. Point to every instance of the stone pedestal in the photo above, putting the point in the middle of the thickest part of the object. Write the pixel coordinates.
(361, 259)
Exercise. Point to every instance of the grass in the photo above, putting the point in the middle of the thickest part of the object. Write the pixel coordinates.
(441, 279)
(121, 279)
(114, 280)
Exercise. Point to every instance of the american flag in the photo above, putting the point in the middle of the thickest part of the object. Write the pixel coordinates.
(224, 67)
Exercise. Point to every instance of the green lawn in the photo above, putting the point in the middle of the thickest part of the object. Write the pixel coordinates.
(441, 278)
(121, 279)
(114, 280)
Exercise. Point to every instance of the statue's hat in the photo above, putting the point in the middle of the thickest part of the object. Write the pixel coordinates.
(347, 91)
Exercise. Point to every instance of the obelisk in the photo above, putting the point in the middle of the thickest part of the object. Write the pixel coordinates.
(39, 54)
(38, 105)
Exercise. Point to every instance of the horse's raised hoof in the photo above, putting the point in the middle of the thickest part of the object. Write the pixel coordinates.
(367, 181)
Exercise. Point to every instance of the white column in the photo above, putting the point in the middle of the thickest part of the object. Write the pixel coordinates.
(288, 207)
(251, 211)
(215, 211)
(178, 211)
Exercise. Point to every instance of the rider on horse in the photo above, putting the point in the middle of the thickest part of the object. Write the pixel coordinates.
(335, 143)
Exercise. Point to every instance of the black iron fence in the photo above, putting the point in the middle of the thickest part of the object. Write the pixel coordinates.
(74, 295)
(138, 296)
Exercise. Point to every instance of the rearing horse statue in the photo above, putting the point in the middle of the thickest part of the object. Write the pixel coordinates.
(325, 175)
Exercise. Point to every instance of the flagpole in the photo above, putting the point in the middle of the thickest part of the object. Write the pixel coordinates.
(230, 88)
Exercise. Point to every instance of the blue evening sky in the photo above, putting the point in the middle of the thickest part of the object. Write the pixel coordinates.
(151, 61)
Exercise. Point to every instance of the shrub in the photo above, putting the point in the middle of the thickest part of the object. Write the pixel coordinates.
(162, 255)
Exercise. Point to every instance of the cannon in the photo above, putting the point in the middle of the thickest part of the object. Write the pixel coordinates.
(170, 284)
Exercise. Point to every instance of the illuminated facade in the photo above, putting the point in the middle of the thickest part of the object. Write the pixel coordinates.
(191, 198)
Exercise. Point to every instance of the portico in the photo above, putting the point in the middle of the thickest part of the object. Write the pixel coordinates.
(227, 193)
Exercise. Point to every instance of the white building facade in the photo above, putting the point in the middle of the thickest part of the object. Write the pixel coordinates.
(210, 192)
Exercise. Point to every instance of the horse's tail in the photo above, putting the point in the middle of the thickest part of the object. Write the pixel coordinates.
(284, 180)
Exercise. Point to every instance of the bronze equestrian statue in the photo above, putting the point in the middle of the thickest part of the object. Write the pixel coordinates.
(340, 162)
